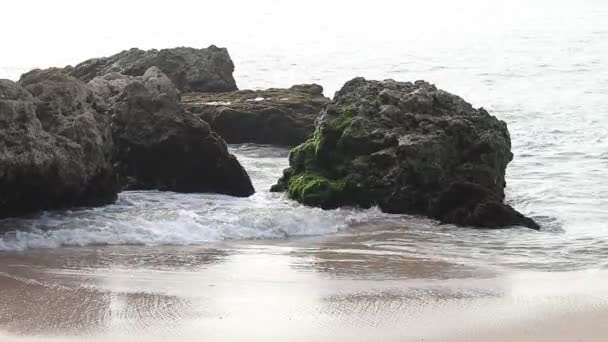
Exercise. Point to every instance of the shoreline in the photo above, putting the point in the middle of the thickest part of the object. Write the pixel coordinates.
(273, 291)
(591, 326)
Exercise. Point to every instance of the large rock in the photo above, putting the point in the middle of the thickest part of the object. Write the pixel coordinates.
(55, 145)
(202, 70)
(160, 146)
(408, 148)
(273, 116)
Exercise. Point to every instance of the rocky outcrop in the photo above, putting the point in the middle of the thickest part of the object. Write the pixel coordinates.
(55, 145)
(273, 116)
(408, 148)
(199, 70)
(160, 146)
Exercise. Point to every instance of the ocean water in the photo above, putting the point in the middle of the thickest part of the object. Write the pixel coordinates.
(540, 66)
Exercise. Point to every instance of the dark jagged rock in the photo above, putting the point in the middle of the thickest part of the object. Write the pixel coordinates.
(273, 116)
(408, 148)
(201, 70)
(160, 146)
(467, 203)
(55, 145)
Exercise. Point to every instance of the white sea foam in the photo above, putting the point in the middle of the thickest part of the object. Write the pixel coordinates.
(155, 218)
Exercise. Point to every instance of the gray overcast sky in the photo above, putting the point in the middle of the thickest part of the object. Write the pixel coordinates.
(59, 32)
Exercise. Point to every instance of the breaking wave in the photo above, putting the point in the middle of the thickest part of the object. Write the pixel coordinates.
(155, 218)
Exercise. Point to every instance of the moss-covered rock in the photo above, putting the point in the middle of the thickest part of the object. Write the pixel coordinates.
(316, 190)
(408, 148)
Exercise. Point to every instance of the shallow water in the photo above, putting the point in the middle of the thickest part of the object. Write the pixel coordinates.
(538, 65)
(155, 218)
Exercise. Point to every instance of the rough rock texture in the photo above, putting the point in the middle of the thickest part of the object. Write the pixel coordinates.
(201, 70)
(160, 146)
(273, 116)
(408, 148)
(55, 145)
(110, 86)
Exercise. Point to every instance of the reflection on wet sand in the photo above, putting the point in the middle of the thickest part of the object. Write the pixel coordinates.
(271, 291)
(94, 291)
(351, 258)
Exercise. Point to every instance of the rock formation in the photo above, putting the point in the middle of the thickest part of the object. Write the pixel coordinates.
(273, 116)
(160, 146)
(55, 145)
(200, 70)
(408, 148)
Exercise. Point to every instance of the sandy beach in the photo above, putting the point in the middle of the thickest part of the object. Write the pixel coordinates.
(272, 291)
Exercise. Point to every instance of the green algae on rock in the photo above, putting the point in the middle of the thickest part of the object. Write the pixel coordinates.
(315, 190)
(407, 148)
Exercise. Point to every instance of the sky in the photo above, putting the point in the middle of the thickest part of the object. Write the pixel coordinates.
(59, 32)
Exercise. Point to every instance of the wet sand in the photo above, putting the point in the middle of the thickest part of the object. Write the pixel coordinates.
(276, 291)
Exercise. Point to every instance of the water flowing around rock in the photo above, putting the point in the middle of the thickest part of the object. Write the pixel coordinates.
(409, 148)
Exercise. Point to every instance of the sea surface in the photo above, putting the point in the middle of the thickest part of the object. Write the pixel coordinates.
(541, 66)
